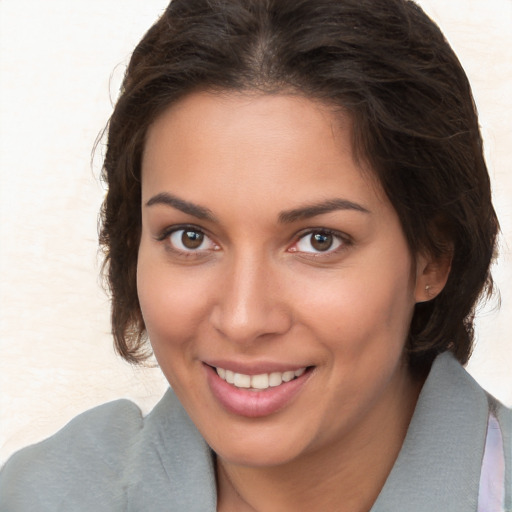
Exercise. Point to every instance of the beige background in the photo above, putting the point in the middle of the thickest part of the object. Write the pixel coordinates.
(61, 61)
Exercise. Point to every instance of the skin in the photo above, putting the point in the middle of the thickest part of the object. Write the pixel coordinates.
(256, 291)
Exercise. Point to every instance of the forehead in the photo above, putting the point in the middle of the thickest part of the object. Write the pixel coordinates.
(256, 146)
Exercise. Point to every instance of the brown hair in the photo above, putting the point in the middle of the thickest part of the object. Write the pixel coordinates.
(387, 65)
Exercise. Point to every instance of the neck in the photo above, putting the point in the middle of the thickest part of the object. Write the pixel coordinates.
(351, 471)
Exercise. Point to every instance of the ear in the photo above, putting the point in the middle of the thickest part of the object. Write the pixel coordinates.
(431, 275)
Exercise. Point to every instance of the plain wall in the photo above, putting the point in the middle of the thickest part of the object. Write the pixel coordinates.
(61, 65)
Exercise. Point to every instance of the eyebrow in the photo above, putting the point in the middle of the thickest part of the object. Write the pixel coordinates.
(185, 206)
(313, 210)
(285, 217)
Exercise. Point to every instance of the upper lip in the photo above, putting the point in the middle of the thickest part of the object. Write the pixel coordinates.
(255, 367)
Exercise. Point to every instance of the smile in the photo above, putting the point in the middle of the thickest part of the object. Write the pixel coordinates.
(254, 394)
(258, 382)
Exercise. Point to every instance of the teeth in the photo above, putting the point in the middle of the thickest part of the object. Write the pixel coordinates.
(242, 381)
(261, 381)
(288, 376)
(275, 379)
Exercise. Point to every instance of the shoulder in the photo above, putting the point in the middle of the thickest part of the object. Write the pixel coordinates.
(112, 458)
(445, 444)
(87, 452)
(502, 413)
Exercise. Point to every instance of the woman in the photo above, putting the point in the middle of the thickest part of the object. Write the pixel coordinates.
(299, 219)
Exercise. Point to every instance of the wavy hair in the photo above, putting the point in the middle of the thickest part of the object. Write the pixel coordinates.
(383, 63)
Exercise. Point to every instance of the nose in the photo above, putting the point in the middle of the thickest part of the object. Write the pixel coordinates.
(250, 303)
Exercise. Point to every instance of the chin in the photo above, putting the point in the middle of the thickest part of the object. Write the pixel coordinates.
(257, 456)
(263, 446)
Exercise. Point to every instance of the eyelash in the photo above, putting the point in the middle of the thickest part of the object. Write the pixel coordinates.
(343, 241)
(170, 231)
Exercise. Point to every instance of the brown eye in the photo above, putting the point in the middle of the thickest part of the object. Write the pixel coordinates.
(192, 239)
(321, 241)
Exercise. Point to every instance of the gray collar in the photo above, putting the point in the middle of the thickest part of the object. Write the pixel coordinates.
(438, 468)
(439, 465)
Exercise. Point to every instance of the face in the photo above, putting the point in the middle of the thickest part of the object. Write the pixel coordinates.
(274, 278)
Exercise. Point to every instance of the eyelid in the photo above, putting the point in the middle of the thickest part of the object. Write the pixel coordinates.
(167, 232)
(342, 237)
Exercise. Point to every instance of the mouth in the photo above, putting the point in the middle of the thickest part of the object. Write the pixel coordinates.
(254, 395)
(258, 382)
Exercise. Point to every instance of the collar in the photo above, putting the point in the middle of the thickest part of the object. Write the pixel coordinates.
(438, 467)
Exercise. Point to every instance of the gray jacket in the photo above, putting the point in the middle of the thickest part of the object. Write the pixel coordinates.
(111, 458)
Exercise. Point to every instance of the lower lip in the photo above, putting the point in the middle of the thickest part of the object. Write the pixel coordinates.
(254, 404)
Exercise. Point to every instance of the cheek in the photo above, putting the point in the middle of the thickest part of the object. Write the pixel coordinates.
(172, 314)
(367, 305)
(170, 302)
